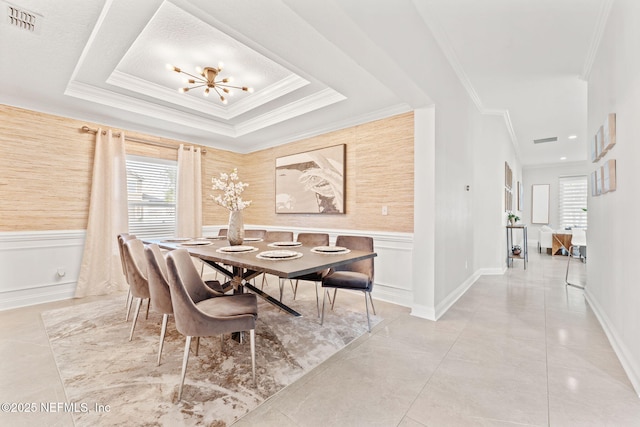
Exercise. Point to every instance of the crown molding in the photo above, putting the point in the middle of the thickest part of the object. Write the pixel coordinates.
(343, 124)
(601, 24)
(302, 106)
(112, 99)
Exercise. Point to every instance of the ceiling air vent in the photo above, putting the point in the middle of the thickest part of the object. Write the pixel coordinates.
(543, 140)
(23, 19)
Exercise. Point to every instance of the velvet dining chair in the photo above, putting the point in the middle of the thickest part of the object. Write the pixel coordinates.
(198, 316)
(312, 239)
(136, 265)
(123, 237)
(272, 237)
(355, 276)
(159, 291)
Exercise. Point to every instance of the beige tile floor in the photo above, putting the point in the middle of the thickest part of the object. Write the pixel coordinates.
(515, 350)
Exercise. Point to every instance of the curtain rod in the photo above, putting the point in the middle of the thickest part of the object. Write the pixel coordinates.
(142, 141)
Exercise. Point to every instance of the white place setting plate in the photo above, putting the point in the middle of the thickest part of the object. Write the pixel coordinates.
(177, 239)
(195, 243)
(237, 249)
(330, 250)
(284, 244)
(216, 237)
(252, 239)
(276, 255)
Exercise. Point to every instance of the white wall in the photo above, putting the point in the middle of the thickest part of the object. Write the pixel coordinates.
(494, 147)
(613, 288)
(549, 175)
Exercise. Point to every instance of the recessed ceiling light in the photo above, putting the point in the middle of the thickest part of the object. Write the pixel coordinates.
(563, 158)
(573, 136)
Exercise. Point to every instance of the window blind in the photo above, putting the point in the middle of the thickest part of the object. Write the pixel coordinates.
(573, 200)
(151, 187)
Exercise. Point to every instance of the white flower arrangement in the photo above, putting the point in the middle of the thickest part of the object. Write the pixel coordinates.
(232, 187)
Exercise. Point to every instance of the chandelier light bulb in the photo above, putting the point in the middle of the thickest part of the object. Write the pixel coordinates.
(199, 70)
(183, 89)
(220, 66)
(206, 92)
(223, 99)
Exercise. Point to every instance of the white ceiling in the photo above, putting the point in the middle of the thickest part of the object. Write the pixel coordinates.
(315, 66)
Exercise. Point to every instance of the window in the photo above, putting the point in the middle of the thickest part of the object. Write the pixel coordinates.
(151, 187)
(573, 201)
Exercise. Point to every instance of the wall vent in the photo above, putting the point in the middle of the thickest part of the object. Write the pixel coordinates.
(543, 140)
(23, 19)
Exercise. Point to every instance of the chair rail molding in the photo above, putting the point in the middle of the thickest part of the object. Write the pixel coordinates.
(39, 266)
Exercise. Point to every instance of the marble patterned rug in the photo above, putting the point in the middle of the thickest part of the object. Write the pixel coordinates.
(112, 381)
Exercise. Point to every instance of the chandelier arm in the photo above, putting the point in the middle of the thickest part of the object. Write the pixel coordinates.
(217, 91)
(195, 87)
(194, 76)
(229, 86)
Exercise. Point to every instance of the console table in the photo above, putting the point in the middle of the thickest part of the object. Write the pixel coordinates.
(524, 252)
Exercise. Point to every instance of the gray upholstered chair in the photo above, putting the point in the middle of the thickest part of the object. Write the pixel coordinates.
(312, 239)
(256, 234)
(277, 236)
(123, 237)
(356, 276)
(159, 288)
(197, 316)
(136, 264)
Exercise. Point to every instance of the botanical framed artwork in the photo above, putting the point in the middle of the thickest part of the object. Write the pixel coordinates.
(311, 182)
(609, 132)
(608, 173)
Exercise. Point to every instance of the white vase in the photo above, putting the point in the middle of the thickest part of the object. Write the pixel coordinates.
(235, 233)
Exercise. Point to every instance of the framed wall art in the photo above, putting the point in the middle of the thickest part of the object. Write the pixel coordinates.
(540, 203)
(311, 182)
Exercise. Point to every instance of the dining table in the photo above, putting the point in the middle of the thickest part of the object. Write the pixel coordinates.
(287, 260)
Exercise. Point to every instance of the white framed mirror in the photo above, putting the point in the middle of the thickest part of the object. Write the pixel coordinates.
(540, 203)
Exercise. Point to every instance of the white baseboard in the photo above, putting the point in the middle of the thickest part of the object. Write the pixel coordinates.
(423, 311)
(619, 347)
(451, 299)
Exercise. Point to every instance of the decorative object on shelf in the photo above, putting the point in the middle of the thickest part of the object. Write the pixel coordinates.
(231, 199)
(513, 218)
(516, 250)
(207, 78)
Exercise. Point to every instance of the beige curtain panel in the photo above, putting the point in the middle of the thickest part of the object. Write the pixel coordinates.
(189, 193)
(101, 268)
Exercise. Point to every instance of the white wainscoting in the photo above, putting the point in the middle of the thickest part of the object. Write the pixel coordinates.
(39, 266)
(43, 266)
(393, 273)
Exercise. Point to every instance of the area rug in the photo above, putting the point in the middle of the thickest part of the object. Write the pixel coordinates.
(111, 381)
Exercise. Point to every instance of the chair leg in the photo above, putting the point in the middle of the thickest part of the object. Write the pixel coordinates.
(366, 303)
(371, 301)
(566, 276)
(264, 278)
(324, 296)
(148, 305)
(281, 283)
(253, 354)
(185, 360)
(335, 291)
(129, 304)
(317, 299)
(163, 332)
(135, 317)
(295, 291)
(197, 345)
